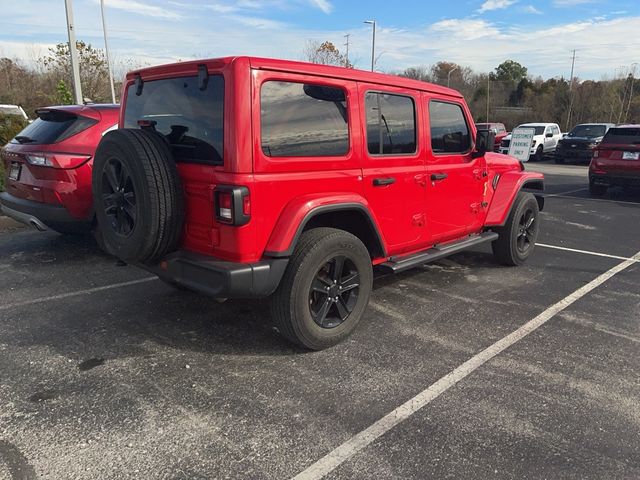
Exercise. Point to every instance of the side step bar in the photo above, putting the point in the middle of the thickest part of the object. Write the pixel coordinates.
(400, 264)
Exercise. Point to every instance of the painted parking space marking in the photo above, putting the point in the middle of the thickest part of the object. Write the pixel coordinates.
(586, 252)
(565, 195)
(366, 437)
(561, 194)
(76, 293)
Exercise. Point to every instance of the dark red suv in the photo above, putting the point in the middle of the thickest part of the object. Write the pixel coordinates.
(249, 177)
(616, 160)
(48, 167)
(498, 129)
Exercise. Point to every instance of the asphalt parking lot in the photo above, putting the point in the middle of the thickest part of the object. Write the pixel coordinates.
(529, 372)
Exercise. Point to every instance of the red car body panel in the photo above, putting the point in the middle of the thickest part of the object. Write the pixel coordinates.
(66, 187)
(411, 214)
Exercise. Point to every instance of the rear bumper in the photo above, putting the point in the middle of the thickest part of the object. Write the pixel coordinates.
(41, 215)
(615, 180)
(218, 278)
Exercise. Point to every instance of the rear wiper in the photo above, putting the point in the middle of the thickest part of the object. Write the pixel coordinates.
(24, 139)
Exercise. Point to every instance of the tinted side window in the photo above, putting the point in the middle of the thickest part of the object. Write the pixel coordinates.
(189, 118)
(449, 130)
(391, 123)
(303, 120)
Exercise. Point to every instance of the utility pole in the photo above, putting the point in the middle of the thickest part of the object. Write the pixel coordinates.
(488, 85)
(373, 43)
(106, 49)
(73, 52)
(632, 74)
(573, 62)
(347, 54)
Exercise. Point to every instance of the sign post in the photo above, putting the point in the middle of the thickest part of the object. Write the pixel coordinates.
(520, 146)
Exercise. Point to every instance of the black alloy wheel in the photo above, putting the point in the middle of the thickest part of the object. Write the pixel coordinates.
(334, 292)
(526, 231)
(118, 197)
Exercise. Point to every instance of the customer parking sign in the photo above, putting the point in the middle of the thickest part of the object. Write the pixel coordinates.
(520, 145)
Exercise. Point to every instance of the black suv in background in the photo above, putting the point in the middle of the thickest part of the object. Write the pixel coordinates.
(579, 143)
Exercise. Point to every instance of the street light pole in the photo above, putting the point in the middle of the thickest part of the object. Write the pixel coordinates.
(106, 49)
(373, 43)
(73, 52)
(449, 75)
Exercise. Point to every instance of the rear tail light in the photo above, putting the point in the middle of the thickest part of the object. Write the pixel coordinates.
(232, 205)
(57, 160)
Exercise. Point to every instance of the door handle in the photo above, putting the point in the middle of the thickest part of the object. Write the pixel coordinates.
(435, 177)
(381, 182)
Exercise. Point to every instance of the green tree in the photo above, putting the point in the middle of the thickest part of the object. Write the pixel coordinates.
(64, 94)
(509, 70)
(93, 68)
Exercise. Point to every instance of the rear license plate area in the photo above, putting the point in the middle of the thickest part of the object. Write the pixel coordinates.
(14, 171)
(630, 155)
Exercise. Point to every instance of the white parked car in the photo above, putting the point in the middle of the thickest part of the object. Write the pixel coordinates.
(13, 110)
(545, 140)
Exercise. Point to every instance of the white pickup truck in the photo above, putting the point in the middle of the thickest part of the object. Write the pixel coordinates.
(544, 141)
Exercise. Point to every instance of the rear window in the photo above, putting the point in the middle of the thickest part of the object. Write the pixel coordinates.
(622, 136)
(300, 119)
(52, 127)
(191, 119)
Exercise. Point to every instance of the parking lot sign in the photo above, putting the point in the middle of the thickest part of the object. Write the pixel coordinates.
(520, 145)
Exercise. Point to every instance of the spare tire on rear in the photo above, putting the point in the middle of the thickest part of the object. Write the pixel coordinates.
(137, 195)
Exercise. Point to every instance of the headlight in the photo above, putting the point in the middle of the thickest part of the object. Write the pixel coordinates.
(533, 143)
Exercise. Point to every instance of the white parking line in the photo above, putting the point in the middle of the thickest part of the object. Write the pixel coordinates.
(76, 293)
(586, 252)
(565, 193)
(361, 440)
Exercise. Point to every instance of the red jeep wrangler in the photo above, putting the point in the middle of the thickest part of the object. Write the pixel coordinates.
(249, 177)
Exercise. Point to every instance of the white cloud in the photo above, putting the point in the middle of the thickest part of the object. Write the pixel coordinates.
(532, 9)
(570, 3)
(139, 8)
(495, 5)
(471, 29)
(323, 5)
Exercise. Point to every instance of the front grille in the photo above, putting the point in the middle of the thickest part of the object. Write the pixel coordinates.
(574, 146)
(505, 143)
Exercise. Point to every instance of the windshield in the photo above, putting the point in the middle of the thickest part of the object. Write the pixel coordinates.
(588, 131)
(622, 136)
(538, 130)
(190, 119)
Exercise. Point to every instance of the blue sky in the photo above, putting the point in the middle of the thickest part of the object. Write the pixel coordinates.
(476, 33)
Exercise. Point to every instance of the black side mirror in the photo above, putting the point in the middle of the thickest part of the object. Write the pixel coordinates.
(549, 135)
(484, 143)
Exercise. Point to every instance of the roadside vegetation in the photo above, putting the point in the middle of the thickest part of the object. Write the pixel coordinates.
(10, 126)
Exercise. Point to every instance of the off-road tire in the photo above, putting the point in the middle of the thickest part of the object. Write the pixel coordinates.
(152, 178)
(506, 248)
(291, 304)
